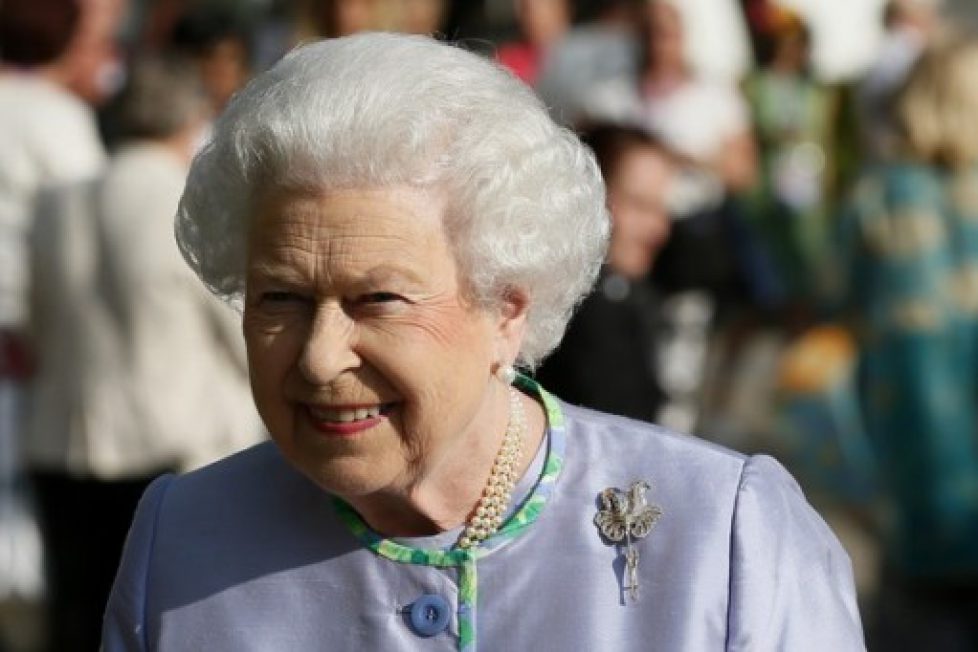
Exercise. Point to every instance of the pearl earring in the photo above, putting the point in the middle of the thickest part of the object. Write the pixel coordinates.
(506, 374)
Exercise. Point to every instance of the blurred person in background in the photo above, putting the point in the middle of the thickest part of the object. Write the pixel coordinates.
(910, 27)
(219, 43)
(607, 360)
(417, 16)
(57, 58)
(140, 371)
(707, 123)
(910, 247)
(705, 120)
(600, 48)
(806, 413)
(541, 23)
(788, 207)
(335, 18)
(702, 270)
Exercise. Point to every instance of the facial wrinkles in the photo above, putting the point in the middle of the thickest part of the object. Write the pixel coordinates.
(433, 312)
(282, 251)
(368, 260)
(340, 267)
(438, 317)
(432, 304)
(359, 387)
(418, 453)
(435, 315)
(423, 463)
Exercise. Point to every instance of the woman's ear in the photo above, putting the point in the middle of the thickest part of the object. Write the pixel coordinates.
(511, 325)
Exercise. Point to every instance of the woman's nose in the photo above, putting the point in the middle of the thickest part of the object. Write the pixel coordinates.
(328, 349)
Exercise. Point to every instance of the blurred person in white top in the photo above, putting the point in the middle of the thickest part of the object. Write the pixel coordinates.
(707, 121)
(140, 370)
(56, 59)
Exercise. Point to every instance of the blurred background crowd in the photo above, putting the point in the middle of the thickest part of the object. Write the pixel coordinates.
(793, 267)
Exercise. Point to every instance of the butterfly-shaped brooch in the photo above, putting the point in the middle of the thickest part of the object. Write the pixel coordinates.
(625, 517)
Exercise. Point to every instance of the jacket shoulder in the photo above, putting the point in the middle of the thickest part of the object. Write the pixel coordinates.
(616, 440)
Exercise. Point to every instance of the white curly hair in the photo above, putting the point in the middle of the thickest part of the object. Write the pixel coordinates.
(526, 203)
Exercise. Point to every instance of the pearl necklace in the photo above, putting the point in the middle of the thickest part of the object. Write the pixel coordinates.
(495, 498)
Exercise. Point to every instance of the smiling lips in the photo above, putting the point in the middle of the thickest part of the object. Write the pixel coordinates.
(348, 420)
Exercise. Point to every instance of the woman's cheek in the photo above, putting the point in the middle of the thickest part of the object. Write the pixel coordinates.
(444, 323)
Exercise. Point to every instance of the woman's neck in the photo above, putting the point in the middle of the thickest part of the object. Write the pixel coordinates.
(445, 497)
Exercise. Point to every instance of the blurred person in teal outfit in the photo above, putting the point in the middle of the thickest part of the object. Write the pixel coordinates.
(910, 242)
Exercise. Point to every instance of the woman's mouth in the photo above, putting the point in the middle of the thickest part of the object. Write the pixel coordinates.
(347, 420)
(344, 415)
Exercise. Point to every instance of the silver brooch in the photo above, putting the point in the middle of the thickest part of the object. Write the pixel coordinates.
(624, 518)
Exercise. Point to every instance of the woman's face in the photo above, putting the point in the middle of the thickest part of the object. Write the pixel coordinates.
(368, 365)
(637, 202)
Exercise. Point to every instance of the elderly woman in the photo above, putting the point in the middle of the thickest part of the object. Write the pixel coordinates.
(404, 225)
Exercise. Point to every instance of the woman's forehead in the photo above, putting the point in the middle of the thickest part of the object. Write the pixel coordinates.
(378, 232)
(400, 211)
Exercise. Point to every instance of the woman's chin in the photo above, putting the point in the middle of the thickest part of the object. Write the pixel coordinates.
(345, 463)
(348, 478)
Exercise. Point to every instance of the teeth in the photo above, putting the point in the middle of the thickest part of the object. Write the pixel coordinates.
(344, 416)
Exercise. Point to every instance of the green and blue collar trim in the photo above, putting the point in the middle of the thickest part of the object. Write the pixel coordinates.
(465, 560)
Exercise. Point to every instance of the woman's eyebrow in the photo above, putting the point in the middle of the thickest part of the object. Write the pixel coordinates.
(386, 273)
(381, 275)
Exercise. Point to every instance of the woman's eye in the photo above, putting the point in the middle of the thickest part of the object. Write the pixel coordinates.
(379, 297)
